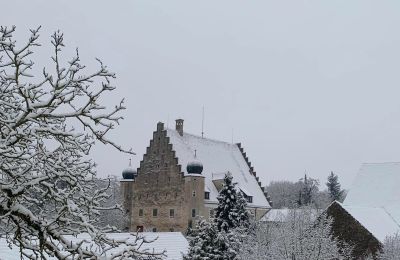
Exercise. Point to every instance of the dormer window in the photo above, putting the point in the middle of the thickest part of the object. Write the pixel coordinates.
(249, 199)
(207, 195)
(247, 195)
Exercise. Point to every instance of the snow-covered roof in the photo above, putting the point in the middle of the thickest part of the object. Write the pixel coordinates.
(280, 215)
(376, 185)
(217, 157)
(375, 219)
(374, 198)
(174, 243)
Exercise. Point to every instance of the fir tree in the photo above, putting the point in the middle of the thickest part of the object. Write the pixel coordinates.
(231, 211)
(333, 185)
(211, 244)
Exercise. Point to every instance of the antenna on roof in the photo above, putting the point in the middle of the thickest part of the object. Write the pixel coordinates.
(202, 124)
(232, 135)
(195, 153)
(168, 121)
(130, 162)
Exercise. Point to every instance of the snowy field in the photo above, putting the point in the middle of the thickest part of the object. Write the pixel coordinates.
(174, 243)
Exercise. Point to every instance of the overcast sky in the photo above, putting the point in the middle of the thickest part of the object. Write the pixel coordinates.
(305, 85)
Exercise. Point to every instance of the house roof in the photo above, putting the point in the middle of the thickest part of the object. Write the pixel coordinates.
(217, 157)
(376, 220)
(280, 215)
(374, 198)
(376, 185)
(174, 243)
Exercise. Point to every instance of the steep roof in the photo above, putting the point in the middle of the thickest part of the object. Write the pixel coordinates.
(375, 219)
(174, 243)
(376, 185)
(217, 158)
(374, 198)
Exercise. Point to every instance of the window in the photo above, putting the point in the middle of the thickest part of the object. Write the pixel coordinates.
(155, 213)
(154, 229)
(193, 213)
(207, 195)
(172, 213)
(194, 193)
(249, 199)
(140, 212)
(171, 230)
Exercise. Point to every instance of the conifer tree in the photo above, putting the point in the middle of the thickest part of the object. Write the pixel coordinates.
(209, 243)
(333, 185)
(231, 211)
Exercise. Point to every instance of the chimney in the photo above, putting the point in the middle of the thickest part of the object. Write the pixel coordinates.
(179, 126)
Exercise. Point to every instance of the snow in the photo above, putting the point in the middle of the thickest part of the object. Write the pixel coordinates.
(174, 243)
(374, 198)
(376, 185)
(375, 219)
(217, 157)
(280, 215)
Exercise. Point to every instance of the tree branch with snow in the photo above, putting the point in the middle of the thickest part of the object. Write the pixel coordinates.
(48, 125)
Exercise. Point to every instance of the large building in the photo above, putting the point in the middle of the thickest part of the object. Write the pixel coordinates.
(179, 179)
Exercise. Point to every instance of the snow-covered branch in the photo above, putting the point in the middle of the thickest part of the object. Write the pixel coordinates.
(47, 192)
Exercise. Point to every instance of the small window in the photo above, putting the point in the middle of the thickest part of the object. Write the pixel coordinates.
(172, 213)
(207, 195)
(155, 213)
(193, 213)
(140, 212)
(154, 229)
(194, 193)
(171, 230)
(249, 199)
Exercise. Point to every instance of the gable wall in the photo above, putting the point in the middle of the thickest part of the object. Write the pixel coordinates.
(350, 231)
(159, 185)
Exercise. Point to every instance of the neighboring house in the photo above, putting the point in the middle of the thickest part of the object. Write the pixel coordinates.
(174, 244)
(281, 215)
(179, 179)
(371, 210)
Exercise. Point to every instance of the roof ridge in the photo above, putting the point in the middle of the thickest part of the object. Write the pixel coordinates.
(366, 163)
(390, 215)
(200, 137)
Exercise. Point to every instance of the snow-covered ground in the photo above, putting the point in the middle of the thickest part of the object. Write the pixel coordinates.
(174, 243)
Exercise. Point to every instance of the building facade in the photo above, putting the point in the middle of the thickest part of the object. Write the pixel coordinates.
(179, 179)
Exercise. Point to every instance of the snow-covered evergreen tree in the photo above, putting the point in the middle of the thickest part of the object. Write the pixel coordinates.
(231, 211)
(208, 243)
(220, 238)
(298, 237)
(333, 185)
(48, 124)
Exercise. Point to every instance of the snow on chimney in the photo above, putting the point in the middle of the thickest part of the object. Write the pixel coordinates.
(179, 126)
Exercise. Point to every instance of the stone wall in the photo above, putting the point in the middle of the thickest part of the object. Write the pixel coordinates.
(160, 185)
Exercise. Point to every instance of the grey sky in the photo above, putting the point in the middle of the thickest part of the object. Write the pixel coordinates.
(305, 85)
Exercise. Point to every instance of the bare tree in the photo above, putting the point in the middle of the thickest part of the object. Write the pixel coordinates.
(48, 125)
(390, 249)
(298, 236)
